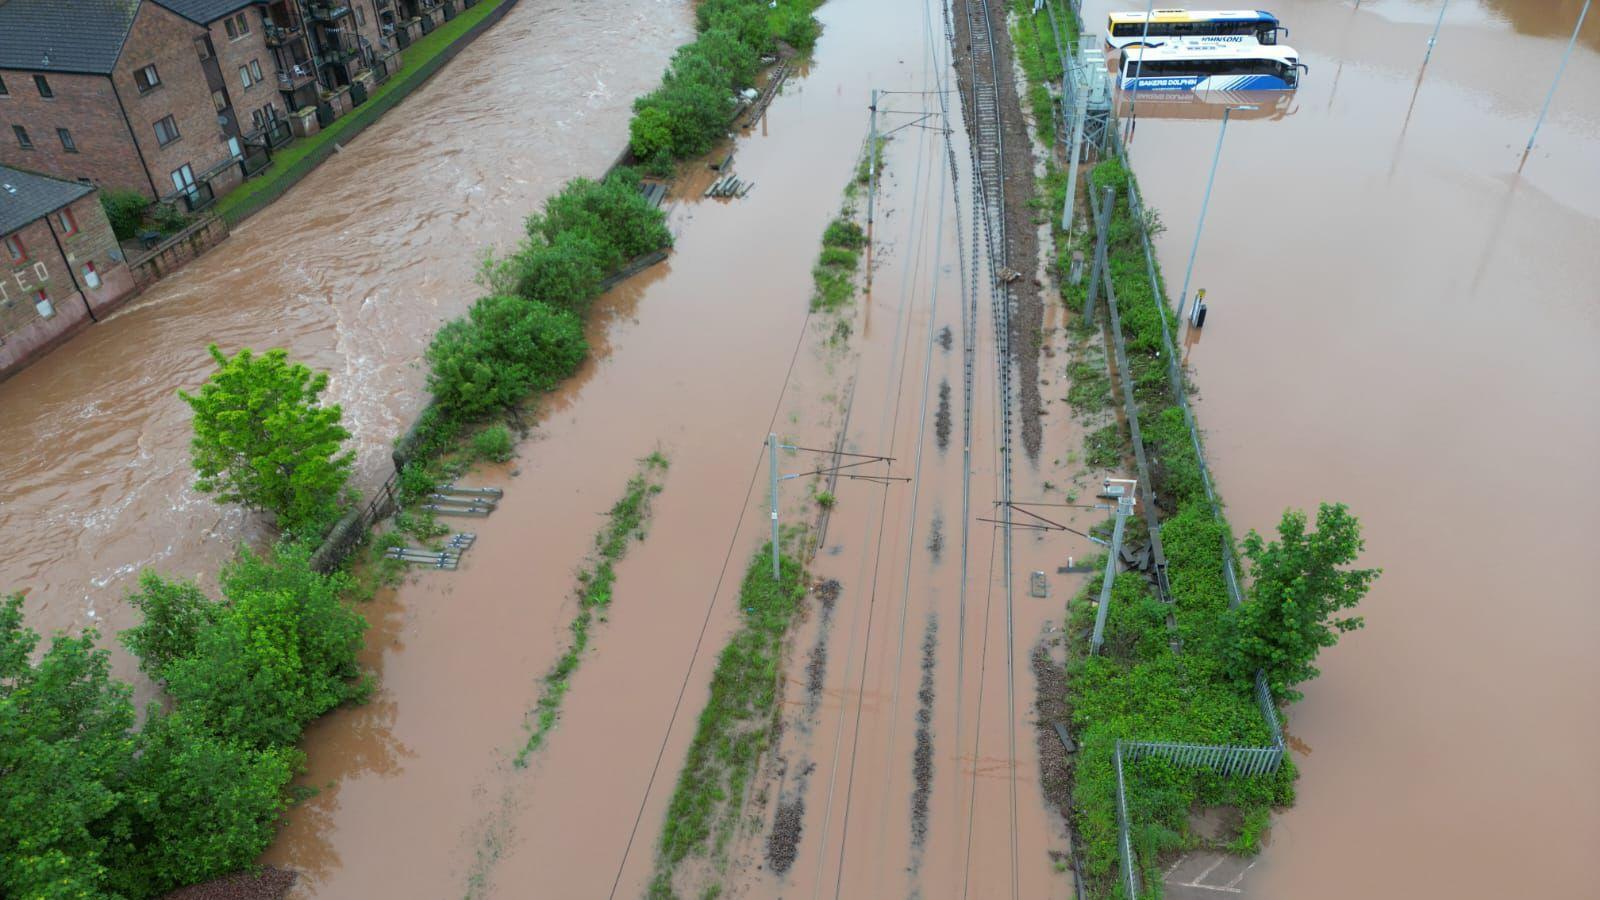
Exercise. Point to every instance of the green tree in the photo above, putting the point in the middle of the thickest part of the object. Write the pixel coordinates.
(505, 349)
(565, 273)
(282, 652)
(198, 806)
(262, 439)
(173, 613)
(65, 747)
(1299, 586)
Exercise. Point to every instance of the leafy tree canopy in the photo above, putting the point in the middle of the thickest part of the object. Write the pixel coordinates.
(1299, 587)
(262, 439)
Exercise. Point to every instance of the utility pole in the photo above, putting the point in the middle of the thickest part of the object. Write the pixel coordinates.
(1124, 507)
(1560, 70)
(1080, 112)
(872, 157)
(1434, 38)
(772, 471)
(1183, 298)
(1098, 264)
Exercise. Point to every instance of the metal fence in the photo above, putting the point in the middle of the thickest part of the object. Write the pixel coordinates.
(363, 116)
(1223, 759)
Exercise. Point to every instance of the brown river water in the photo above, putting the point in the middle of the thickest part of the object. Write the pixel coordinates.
(1399, 320)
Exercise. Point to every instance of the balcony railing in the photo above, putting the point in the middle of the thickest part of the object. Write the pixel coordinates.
(328, 12)
(296, 76)
(278, 35)
(193, 199)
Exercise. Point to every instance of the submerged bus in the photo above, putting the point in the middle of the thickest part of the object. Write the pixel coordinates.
(1124, 28)
(1208, 66)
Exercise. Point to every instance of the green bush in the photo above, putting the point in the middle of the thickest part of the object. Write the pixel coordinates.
(493, 444)
(844, 233)
(172, 615)
(125, 210)
(681, 119)
(504, 350)
(282, 652)
(610, 218)
(565, 273)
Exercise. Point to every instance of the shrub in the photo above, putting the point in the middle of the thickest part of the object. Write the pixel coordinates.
(610, 219)
(493, 444)
(718, 59)
(282, 652)
(689, 117)
(262, 439)
(844, 233)
(125, 211)
(565, 273)
(506, 348)
(172, 615)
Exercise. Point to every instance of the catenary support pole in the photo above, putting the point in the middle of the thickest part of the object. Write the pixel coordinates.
(1560, 70)
(1097, 265)
(872, 158)
(1080, 112)
(1124, 505)
(772, 471)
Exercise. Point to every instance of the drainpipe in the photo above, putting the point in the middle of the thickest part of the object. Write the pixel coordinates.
(70, 274)
(133, 137)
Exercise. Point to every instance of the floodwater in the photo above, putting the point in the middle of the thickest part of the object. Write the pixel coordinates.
(701, 358)
(352, 271)
(1403, 320)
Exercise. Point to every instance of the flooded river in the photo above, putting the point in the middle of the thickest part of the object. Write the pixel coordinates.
(1402, 321)
(352, 271)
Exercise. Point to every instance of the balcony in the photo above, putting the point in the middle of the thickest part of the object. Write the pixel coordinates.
(296, 76)
(328, 12)
(278, 35)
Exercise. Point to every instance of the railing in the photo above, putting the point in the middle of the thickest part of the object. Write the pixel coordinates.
(277, 35)
(328, 12)
(194, 198)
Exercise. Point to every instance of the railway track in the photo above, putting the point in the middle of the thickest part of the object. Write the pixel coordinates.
(986, 132)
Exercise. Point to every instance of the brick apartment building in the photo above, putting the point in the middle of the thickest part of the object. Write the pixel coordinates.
(60, 267)
(170, 97)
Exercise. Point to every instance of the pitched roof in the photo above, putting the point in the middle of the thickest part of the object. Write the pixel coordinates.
(64, 35)
(25, 197)
(204, 11)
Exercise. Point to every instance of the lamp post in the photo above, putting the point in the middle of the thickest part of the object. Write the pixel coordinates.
(1434, 38)
(1560, 70)
(1183, 298)
(1138, 65)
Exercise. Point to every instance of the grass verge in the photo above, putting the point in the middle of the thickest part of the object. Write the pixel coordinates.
(625, 521)
(735, 727)
(415, 56)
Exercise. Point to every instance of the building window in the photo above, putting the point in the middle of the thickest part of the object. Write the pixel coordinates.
(166, 130)
(66, 140)
(219, 100)
(146, 79)
(258, 119)
(3, 91)
(69, 225)
(244, 77)
(202, 47)
(255, 69)
(15, 252)
(237, 27)
(43, 86)
(23, 140)
(42, 304)
(91, 276)
(361, 16)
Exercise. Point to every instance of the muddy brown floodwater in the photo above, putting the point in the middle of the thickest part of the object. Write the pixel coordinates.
(352, 271)
(1403, 322)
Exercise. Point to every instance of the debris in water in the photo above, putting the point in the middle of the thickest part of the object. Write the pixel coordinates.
(941, 421)
(783, 844)
(922, 757)
(945, 338)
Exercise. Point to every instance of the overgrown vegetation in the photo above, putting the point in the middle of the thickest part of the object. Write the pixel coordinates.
(262, 439)
(94, 808)
(735, 727)
(690, 110)
(624, 523)
(1139, 688)
(835, 272)
(124, 210)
